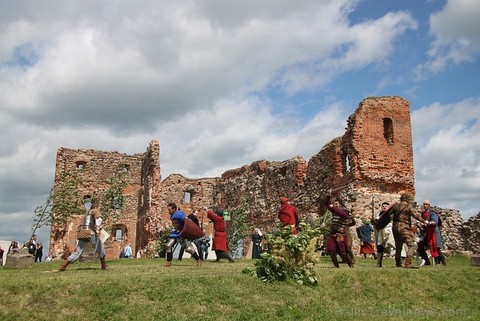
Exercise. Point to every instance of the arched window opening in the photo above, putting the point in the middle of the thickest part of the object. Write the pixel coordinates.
(120, 232)
(80, 165)
(388, 130)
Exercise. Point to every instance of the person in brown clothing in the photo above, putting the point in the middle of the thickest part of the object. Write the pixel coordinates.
(402, 229)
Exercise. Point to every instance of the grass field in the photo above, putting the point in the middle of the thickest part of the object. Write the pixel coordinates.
(143, 289)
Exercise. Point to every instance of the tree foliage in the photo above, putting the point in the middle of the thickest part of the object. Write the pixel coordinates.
(64, 199)
(113, 198)
(239, 228)
(62, 202)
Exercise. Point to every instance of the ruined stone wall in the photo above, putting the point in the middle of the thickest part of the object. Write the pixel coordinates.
(471, 234)
(262, 184)
(95, 168)
(325, 170)
(371, 163)
(148, 198)
(189, 195)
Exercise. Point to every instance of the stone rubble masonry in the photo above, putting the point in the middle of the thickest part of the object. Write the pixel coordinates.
(20, 260)
(470, 232)
(371, 163)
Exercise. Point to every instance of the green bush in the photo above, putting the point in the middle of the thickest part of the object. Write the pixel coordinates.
(290, 256)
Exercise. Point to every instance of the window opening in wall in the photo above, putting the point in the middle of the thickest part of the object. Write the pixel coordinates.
(87, 201)
(80, 165)
(118, 235)
(187, 197)
(346, 165)
(120, 232)
(388, 130)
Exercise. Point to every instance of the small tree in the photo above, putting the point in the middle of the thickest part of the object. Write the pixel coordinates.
(43, 215)
(65, 201)
(62, 200)
(239, 228)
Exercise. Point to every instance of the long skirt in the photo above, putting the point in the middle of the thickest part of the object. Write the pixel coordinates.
(367, 248)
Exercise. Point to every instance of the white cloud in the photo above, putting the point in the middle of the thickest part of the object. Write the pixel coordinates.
(456, 37)
(447, 154)
(117, 68)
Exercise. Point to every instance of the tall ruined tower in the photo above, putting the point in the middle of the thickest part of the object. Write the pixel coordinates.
(372, 162)
(378, 152)
(378, 145)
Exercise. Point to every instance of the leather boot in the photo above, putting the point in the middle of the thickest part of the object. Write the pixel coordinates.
(398, 262)
(444, 262)
(352, 258)
(347, 259)
(168, 264)
(64, 265)
(379, 259)
(334, 259)
(408, 263)
(104, 264)
(229, 258)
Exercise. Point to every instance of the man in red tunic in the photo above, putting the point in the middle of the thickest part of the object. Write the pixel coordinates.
(288, 214)
(336, 241)
(430, 236)
(220, 238)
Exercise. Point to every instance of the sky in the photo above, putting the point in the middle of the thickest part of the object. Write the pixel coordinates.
(221, 84)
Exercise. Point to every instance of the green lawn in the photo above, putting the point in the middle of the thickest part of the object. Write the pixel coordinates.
(143, 289)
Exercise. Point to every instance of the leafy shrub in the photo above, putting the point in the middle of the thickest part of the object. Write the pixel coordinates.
(290, 256)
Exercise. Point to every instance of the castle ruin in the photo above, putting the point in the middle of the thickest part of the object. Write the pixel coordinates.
(371, 163)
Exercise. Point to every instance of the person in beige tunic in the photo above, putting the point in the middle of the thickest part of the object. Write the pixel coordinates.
(94, 239)
(402, 229)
